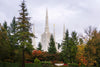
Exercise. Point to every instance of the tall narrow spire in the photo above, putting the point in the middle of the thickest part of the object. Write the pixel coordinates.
(46, 22)
(34, 43)
(54, 31)
(64, 31)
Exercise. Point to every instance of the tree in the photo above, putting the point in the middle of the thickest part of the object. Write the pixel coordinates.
(66, 48)
(13, 30)
(4, 44)
(92, 49)
(23, 31)
(69, 47)
(6, 27)
(73, 43)
(39, 46)
(52, 48)
(13, 39)
(59, 45)
(80, 54)
(80, 41)
(13, 26)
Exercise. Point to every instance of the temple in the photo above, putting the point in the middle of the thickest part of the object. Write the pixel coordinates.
(45, 37)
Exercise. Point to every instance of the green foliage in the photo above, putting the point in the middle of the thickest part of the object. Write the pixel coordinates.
(23, 29)
(23, 32)
(5, 25)
(39, 46)
(74, 43)
(9, 64)
(4, 44)
(13, 26)
(65, 48)
(32, 65)
(80, 41)
(69, 47)
(13, 39)
(92, 49)
(52, 48)
(37, 61)
(18, 65)
(73, 65)
(48, 62)
(59, 45)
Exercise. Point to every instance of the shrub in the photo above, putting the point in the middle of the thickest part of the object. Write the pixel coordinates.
(6, 64)
(73, 65)
(46, 64)
(37, 61)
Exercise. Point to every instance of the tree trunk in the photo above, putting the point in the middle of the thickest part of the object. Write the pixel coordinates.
(23, 58)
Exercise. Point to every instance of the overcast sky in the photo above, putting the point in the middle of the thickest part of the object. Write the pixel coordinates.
(77, 15)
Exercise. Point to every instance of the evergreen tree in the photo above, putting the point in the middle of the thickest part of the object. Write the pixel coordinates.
(52, 48)
(66, 48)
(13, 30)
(59, 45)
(23, 31)
(13, 26)
(73, 43)
(7, 28)
(69, 47)
(13, 39)
(39, 46)
(4, 44)
(5, 25)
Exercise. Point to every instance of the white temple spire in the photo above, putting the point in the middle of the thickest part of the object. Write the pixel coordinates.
(34, 42)
(46, 22)
(54, 31)
(45, 37)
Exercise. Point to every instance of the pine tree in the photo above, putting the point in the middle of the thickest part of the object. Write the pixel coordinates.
(5, 25)
(13, 30)
(65, 41)
(13, 39)
(52, 48)
(69, 47)
(4, 44)
(7, 28)
(66, 48)
(39, 46)
(59, 45)
(73, 43)
(13, 26)
(23, 31)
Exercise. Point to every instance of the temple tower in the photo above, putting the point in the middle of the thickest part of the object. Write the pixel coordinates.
(34, 42)
(46, 22)
(45, 37)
